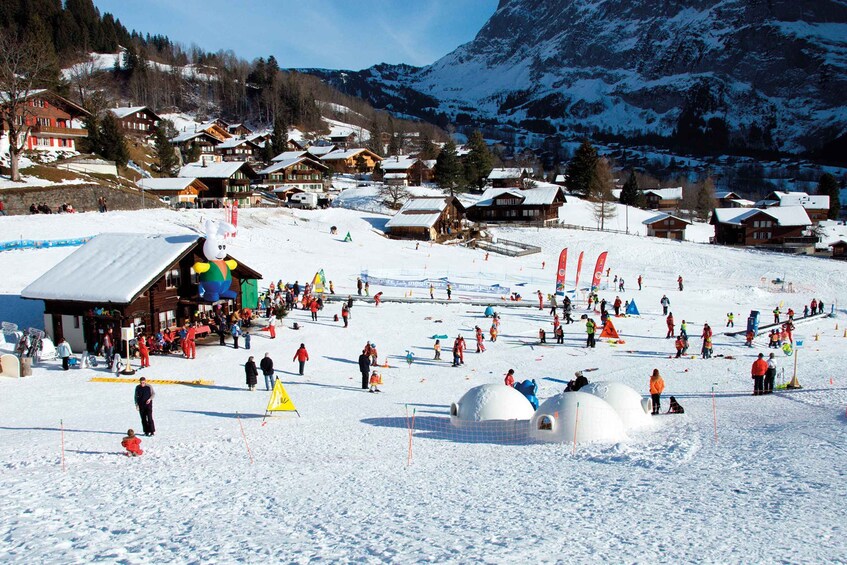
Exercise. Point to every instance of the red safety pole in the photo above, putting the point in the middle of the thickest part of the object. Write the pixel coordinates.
(245, 437)
(715, 414)
(62, 426)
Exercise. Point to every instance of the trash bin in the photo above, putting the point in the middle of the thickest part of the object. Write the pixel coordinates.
(26, 366)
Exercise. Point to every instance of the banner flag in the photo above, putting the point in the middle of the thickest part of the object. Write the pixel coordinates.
(578, 269)
(280, 401)
(560, 272)
(598, 270)
(234, 212)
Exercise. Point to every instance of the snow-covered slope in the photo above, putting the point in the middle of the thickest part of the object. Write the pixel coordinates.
(736, 479)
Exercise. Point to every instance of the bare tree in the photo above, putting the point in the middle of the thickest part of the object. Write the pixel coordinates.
(393, 195)
(600, 191)
(22, 64)
(82, 79)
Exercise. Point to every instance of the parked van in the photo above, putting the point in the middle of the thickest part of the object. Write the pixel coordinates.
(306, 200)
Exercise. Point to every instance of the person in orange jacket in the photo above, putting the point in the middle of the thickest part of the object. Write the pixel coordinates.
(657, 386)
(510, 378)
(480, 339)
(131, 444)
(760, 368)
(302, 356)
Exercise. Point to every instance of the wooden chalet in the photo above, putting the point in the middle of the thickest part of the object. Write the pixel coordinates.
(839, 250)
(772, 227)
(533, 205)
(429, 219)
(227, 179)
(239, 130)
(138, 121)
(157, 287)
(176, 191)
(54, 123)
(663, 199)
(239, 149)
(350, 161)
(666, 226)
(294, 171)
(342, 137)
(816, 205)
(186, 142)
(405, 171)
(508, 178)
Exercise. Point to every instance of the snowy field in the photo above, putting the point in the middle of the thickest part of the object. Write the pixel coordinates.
(339, 484)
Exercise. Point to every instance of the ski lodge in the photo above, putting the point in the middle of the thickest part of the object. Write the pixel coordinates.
(118, 279)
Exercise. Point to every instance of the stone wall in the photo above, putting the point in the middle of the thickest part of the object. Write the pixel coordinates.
(83, 197)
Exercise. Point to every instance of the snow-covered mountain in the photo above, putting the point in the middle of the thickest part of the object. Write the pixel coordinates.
(765, 74)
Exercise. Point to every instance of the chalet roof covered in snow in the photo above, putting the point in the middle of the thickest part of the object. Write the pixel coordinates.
(288, 155)
(235, 142)
(505, 174)
(666, 193)
(126, 111)
(783, 215)
(125, 264)
(320, 150)
(397, 164)
(723, 194)
(189, 135)
(342, 154)
(539, 196)
(420, 212)
(663, 216)
(168, 184)
(810, 201)
(207, 170)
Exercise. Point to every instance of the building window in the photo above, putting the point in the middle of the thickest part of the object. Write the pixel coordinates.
(167, 319)
(77, 322)
(172, 278)
(194, 277)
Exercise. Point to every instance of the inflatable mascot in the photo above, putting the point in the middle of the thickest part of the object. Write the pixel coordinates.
(216, 275)
(529, 390)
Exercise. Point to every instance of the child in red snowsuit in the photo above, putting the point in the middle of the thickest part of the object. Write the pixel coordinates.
(131, 444)
(143, 352)
(377, 298)
(480, 339)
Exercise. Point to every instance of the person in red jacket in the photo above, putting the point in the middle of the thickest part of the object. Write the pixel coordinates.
(760, 367)
(190, 346)
(617, 306)
(670, 325)
(302, 356)
(143, 352)
(462, 346)
(131, 444)
(313, 308)
(510, 378)
(377, 298)
(480, 340)
(540, 300)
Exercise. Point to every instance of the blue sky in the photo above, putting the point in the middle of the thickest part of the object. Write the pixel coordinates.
(336, 34)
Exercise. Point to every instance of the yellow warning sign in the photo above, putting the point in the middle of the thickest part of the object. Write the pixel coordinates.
(280, 401)
(151, 381)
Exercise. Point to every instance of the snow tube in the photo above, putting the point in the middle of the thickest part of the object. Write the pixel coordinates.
(528, 389)
(440, 336)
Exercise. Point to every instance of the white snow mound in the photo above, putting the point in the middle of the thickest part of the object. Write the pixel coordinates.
(593, 420)
(624, 399)
(490, 402)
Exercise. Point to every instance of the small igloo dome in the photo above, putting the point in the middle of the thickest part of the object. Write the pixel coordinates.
(558, 420)
(490, 402)
(624, 399)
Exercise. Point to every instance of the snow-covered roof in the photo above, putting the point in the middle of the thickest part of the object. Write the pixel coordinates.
(169, 184)
(721, 194)
(783, 215)
(814, 202)
(288, 155)
(281, 165)
(320, 150)
(504, 174)
(559, 178)
(124, 263)
(539, 196)
(344, 154)
(666, 193)
(221, 170)
(189, 135)
(126, 111)
(234, 142)
(418, 213)
(395, 176)
(341, 131)
(397, 163)
(663, 216)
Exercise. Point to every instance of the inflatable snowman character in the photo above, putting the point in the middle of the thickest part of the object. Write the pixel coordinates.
(216, 275)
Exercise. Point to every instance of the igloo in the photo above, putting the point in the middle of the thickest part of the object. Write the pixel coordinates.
(625, 400)
(490, 403)
(558, 420)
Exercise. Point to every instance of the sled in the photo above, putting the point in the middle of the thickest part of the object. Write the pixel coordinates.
(439, 336)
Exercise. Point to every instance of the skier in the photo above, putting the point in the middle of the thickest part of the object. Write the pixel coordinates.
(480, 339)
(456, 358)
(367, 288)
(566, 310)
(776, 315)
(657, 386)
(814, 306)
(820, 306)
(301, 356)
(560, 335)
(431, 292)
(63, 351)
(377, 298)
(670, 323)
(345, 314)
(144, 395)
(542, 335)
(730, 320)
(683, 328)
(462, 347)
(617, 306)
(665, 302)
(331, 288)
(621, 285)
(553, 304)
(251, 373)
(556, 323)
(410, 358)
(493, 332)
(449, 291)
(680, 345)
(359, 285)
(706, 351)
(590, 328)
(806, 311)
(143, 352)
(437, 349)
(375, 381)
(510, 378)
(639, 282)
(679, 282)
(540, 300)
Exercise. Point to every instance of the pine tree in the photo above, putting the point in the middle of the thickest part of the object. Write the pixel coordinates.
(279, 138)
(428, 149)
(478, 162)
(165, 154)
(581, 169)
(113, 142)
(827, 185)
(375, 140)
(630, 192)
(449, 171)
(706, 200)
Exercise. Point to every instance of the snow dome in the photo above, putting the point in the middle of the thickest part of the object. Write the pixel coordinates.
(625, 400)
(490, 402)
(556, 419)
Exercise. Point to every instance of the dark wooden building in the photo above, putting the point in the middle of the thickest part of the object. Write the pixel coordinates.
(54, 123)
(227, 179)
(158, 287)
(666, 226)
(772, 227)
(539, 204)
(139, 121)
(429, 219)
(839, 250)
